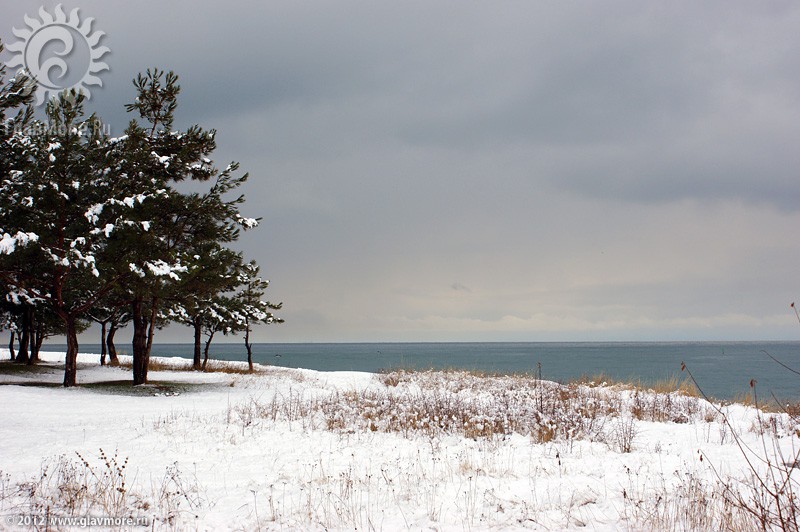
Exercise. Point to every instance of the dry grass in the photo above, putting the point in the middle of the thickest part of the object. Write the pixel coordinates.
(435, 403)
(214, 366)
(771, 405)
(769, 495)
(691, 504)
(158, 365)
(672, 384)
(232, 367)
(84, 485)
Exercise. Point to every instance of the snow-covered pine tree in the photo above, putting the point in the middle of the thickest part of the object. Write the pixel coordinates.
(16, 114)
(251, 306)
(211, 272)
(53, 244)
(155, 251)
(219, 316)
(82, 215)
(15, 96)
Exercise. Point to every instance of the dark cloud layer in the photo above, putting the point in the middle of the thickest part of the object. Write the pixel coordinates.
(495, 170)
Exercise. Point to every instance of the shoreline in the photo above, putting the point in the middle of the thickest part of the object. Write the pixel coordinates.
(54, 360)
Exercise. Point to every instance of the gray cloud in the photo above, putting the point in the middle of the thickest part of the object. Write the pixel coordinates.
(614, 170)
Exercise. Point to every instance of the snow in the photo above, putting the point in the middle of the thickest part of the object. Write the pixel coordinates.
(247, 223)
(9, 243)
(300, 449)
(136, 269)
(160, 268)
(94, 212)
(164, 160)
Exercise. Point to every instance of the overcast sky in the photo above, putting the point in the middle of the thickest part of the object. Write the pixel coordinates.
(493, 170)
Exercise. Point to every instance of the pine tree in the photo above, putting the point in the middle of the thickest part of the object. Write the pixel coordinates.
(90, 223)
(250, 305)
(15, 96)
(54, 242)
(219, 316)
(155, 252)
(212, 271)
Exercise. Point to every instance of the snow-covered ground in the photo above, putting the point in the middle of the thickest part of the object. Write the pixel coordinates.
(300, 449)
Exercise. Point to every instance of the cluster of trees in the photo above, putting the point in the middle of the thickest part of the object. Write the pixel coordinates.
(94, 228)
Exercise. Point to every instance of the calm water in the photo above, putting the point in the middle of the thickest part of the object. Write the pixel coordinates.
(723, 369)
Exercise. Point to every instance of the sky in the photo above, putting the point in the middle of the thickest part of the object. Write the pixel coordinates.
(492, 171)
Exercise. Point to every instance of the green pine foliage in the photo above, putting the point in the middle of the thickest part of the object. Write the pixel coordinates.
(53, 251)
(93, 227)
(252, 306)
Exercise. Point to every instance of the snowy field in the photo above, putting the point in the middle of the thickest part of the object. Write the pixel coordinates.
(297, 449)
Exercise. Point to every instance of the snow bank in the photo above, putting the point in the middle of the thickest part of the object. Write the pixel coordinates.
(302, 449)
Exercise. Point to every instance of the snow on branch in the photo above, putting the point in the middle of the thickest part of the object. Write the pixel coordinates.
(247, 223)
(9, 243)
(159, 268)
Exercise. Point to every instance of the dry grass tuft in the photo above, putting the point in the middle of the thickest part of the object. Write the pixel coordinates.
(462, 403)
(158, 364)
(86, 485)
(214, 366)
(232, 367)
(672, 384)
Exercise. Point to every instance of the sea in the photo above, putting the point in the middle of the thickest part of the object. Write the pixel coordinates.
(723, 370)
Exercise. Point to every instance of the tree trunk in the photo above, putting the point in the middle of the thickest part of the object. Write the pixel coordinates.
(33, 355)
(151, 330)
(11, 346)
(198, 332)
(24, 339)
(103, 344)
(112, 349)
(19, 341)
(248, 345)
(140, 355)
(208, 345)
(36, 346)
(37, 337)
(71, 364)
